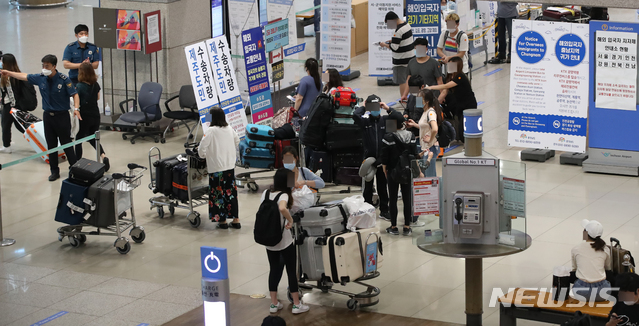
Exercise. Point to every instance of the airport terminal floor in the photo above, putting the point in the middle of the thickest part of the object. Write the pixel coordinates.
(159, 280)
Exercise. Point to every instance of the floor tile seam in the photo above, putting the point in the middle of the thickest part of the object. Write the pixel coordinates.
(240, 285)
(40, 248)
(110, 311)
(72, 271)
(449, 292)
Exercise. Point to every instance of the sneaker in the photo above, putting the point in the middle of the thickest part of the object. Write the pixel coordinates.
(5, 150)
(496, 61)
(54, 176)
(407, 231)
(302, 308)
(392, 230)
(107, 166)
(275, 308)
(508, 60)
(384, 216)
(418, 224)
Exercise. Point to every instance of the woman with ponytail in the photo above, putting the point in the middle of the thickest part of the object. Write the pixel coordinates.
(428, 126)
(590, 260)
(310, 86)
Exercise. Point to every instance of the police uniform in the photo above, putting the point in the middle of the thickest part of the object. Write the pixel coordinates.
(74, 53)
(55, 92)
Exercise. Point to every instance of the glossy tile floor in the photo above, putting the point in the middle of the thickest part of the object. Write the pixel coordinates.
(159, 279)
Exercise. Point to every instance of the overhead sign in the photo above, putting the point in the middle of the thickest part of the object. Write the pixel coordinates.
(548, 86)
(423, 16)
(197, 59)
(380, 60)
(276, 35)
(214, 263)
(226, 84)
(257, 75)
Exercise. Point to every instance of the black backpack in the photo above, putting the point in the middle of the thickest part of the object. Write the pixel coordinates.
(286, 131)
(402, 172)
(320, 115)
(446, 134)
(27, 100)
(268, 226)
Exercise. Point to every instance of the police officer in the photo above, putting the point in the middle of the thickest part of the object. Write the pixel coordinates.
(55, 88)
(80, 51)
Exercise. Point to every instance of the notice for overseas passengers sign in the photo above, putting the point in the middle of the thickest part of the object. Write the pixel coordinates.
(549, 85)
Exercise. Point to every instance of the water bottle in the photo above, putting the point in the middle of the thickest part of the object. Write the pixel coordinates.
(107, 109)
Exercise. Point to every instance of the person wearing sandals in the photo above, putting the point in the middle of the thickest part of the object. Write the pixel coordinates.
(89, 92)
(219, 147)
(283, 254)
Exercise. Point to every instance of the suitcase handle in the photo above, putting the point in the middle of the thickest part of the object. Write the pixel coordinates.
(614, 242)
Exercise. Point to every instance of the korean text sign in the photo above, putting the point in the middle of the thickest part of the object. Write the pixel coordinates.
(226, 83)
(276, 35)
(197, 59)
(257, 74)
(424, 18)
(380, 60)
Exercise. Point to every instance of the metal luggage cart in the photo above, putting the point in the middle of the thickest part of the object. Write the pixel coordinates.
(159, 202)
(123, 185)
(246, 180)
(367, 298)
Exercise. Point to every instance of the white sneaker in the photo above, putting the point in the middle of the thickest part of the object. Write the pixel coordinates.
(302, 308)
(275, 308)
(5, 150)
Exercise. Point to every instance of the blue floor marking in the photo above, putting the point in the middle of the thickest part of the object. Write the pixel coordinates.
(50, 318)
(493, 72)
(480, 103)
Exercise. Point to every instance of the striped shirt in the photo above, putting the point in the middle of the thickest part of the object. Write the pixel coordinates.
(402, 45)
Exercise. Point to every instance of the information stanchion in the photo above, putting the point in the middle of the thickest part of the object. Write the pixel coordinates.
(216, 292)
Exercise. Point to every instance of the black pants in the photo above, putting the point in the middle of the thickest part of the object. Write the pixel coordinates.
(58, 127)
(278, 260)
(88, 126)
(382, 190)
(7, 120)
(393, 190)
(503, 25)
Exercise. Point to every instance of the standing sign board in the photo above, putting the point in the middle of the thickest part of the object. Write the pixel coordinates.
(548, 86)
(257, 75)
(201, 78)
(335, 43)
(424, 18)
(226, 84)
(153, 36)
(426, 196)
(242, 15)
(276, 35)
(380, 60)
(285, 10)
(215, 286)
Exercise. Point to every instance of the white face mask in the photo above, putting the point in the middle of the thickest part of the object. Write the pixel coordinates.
(83, 39)
(420, 51)
(452, 30)
(629, 303)
(46, 72)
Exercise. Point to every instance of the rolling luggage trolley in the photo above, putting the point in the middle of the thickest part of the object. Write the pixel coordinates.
(123, 185)
(159, 202)
(367, 298)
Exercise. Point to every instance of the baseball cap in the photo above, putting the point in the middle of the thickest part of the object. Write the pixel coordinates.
(594, 228)
(373, 99)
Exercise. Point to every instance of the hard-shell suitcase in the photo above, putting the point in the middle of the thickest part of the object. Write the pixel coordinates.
(311, 260)
(343, 257)
(344, 115)
(619, 256)
(24, 119)
(101, 203)
(347, 176)
(164, 174)
(263, 158)
(35, 137)
(85, 172)
(180, 183)
(260, 133)
(561, 13)
(71, 208)
(279, 148)
(341, 136)
(321, 161)
(352, 157)
(344, 96)
(323, 220)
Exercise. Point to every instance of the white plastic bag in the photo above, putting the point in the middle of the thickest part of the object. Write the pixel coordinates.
(361, 215)
(303, 198)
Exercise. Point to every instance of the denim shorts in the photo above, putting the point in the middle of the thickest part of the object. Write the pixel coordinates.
(586, 289)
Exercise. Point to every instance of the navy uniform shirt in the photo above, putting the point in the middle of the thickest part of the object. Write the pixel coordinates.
(76, 54)
(55, 91)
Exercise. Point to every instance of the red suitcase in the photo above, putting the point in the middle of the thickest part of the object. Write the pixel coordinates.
(344, 96)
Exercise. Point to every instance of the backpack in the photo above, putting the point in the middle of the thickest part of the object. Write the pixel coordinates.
(313, 129)
(446, 134)
(402, 172)
(27, 101)
(458, 39)
(268, 226)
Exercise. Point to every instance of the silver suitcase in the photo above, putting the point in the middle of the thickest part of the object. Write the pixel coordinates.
(311, 259)
(320, 221)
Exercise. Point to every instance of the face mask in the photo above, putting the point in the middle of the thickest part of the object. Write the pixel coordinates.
(629, 303)
(46, 72)
(420, 51)
(83, 39)
(452, 30)
(0, 64)
(375, 113)
(290, 166)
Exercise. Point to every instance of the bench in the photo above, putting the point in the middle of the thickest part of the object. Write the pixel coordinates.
(540, 307)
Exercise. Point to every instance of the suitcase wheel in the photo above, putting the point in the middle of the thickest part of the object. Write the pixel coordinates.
(340, 241)
(253, 129)
(271, 132)
(353, 96)
(247, 151)
(252, 144)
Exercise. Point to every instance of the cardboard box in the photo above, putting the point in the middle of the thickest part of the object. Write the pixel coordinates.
(360, 13)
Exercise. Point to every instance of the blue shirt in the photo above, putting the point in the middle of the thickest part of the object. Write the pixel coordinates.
(55, 91)
(74, 53)
(307, 89)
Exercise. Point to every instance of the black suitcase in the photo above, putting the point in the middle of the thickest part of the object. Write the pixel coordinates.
(85, 172)
(348, 157)
(101, 205)
(321, 161)
(347, 176)
(340, 136)
(164, 175)
(180, 185)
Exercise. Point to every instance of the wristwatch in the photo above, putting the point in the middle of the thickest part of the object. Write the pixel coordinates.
(76, 109)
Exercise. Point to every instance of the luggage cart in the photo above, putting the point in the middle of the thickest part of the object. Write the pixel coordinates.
(123, 185)
(367, 298)
(159, 202)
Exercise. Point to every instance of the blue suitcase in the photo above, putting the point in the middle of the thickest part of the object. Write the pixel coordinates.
(262, 158)
(260, 136)
(71, 207)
